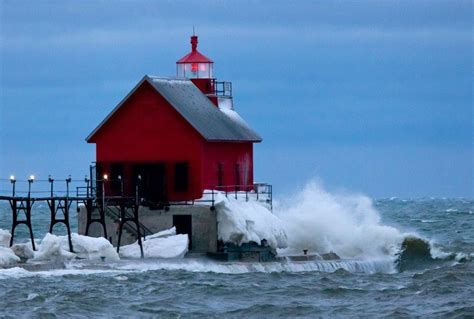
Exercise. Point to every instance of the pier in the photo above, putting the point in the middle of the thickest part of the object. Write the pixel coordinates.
(60, 202)
(100, 198)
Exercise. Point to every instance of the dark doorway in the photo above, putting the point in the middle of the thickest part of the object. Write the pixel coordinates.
(183, 224)
(152, 185)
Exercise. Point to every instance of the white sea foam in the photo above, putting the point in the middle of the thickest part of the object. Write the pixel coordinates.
(199, 265)
(346, 224)
(120, 268)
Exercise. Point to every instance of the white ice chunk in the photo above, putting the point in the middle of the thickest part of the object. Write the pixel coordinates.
(163, 233)
(242, 222)
(57, 248)
(7, 257)
(24, 251)
(50, 249)
(165, 244)
(5, 238)
(90, 247)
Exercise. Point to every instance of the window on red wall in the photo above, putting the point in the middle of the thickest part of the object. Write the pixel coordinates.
(220, 174)
(116, 175)
(181, 177)
(237, 176)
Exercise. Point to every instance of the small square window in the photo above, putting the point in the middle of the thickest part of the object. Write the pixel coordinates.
(181, 177)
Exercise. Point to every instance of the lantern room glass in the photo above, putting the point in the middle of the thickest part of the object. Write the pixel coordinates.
(195, 70)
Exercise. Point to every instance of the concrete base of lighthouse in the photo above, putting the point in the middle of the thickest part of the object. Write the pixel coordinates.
(203, 225)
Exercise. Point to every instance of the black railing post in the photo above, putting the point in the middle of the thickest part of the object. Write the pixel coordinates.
(86, 180)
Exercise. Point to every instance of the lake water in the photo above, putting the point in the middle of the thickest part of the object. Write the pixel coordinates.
(412, 283)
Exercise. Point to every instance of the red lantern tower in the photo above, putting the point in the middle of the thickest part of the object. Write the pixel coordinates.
(198, 68)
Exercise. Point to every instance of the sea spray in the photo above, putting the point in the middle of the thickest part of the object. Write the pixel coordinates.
(349, 225)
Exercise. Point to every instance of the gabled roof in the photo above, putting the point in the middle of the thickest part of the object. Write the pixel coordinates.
(196, 108)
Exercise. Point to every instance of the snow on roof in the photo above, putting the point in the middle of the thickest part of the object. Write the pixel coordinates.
(197, 110)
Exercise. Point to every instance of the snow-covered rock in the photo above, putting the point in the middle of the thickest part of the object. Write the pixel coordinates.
(7, 257)
(242, 222)
(50, 249)
(5, 238)
(165, 244)
(57, 248)
(23, 251)
(90, 247)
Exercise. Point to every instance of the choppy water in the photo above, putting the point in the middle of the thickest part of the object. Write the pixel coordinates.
(439, 287)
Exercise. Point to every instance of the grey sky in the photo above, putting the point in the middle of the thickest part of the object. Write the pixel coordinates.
(370, 96)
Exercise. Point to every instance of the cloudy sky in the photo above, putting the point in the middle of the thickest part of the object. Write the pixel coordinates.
(367, 96)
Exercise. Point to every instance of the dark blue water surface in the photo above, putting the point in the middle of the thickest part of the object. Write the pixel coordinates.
(442, 287)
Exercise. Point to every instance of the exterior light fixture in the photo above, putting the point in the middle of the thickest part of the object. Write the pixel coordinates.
(50, 179)
(12, 179)
(31, 179)
(106, 177)
(119, 177)
(68, 179)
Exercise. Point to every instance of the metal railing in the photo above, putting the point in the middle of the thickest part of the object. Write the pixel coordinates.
(261, 192)
(223, 88)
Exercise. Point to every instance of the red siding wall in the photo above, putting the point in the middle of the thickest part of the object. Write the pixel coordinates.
(147, 129)
(228, 155)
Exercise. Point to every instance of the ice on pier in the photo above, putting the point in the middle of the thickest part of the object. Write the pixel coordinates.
(241, 221)
(165, 244)
(5, 237)
(7, 256)
(50, 249)
(91, 248)
(57, 248)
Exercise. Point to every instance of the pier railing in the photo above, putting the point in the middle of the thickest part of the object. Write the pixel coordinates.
(260, 192)
(95, 198)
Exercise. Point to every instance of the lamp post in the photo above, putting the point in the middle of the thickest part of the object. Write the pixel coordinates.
(51, 182)
(105, 178)
(68, 180)
(121, 184)
(139, 179)
(13, 181)
(30, 181)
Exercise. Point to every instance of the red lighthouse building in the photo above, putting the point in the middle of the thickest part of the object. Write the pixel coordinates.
(178, 136)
